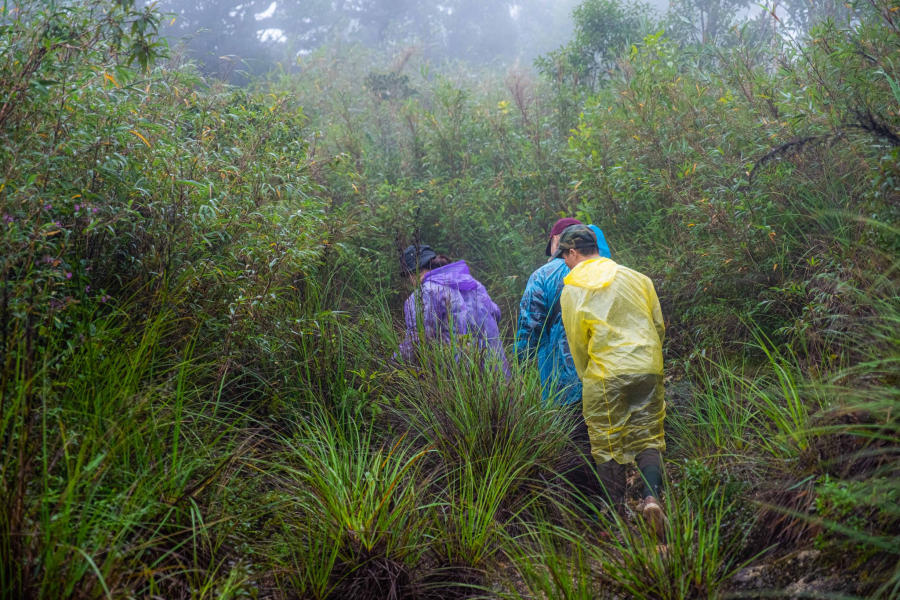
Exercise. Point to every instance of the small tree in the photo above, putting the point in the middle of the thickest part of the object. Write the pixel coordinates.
(703, 21)
(603, 29)
(803, 15)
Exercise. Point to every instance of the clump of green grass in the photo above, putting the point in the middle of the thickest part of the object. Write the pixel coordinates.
(721, 419)
(477, 511)
(468, 414)
(108, 481)
(358, 517)
(553, 562)
(699, 555)
(763, 410)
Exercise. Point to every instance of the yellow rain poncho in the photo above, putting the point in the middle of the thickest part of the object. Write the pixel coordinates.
(615, 330)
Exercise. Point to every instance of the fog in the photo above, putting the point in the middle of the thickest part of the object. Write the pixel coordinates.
(251, 36)
(258, 33)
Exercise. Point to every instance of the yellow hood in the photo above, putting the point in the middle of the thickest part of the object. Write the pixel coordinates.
(592, 274)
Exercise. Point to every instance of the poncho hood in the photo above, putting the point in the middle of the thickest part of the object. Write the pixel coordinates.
(455, 275)
(592, 274)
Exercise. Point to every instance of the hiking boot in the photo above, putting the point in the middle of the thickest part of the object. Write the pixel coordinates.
(655, 517)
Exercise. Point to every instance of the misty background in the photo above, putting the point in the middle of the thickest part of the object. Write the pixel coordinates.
(240, 38)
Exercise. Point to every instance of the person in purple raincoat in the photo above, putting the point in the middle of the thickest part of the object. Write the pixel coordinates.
(447, 302)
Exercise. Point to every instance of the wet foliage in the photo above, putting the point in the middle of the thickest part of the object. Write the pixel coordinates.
(199, 309)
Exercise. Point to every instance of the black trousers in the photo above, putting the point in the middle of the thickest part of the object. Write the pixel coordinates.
(582, 471)
(612, 476)
(606, 482)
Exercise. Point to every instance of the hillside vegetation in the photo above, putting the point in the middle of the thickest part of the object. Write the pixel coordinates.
(200, 300)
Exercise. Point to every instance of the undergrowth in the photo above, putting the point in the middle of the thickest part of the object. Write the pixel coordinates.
(199, 314)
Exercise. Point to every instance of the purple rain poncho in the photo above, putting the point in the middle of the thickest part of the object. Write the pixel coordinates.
(452, 303)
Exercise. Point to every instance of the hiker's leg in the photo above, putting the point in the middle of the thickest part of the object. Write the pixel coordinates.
(581, 471)
(612, 480)
(584, 476)
(650, 464)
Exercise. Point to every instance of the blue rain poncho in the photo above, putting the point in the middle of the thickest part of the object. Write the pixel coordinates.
(540, 329)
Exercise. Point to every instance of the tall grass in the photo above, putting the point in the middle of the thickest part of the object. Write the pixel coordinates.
(553, 562)
(699, 557)
(855, 449)
(463, 405)
(414, 497)
(358, 514)
(478, 509)
(721, 418)
(817, 451)
(739, 409)
(477, 422)
(102, 476)
(609, 555)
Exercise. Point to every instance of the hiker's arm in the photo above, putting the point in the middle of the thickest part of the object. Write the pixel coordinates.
(656, 311)
(532, 316)
(406, 350)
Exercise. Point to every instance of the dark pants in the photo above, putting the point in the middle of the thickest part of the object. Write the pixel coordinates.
(606, 482)
(612, 476)
(581, 472)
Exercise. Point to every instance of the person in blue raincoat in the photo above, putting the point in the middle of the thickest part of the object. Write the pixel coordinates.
(541, 334)
(540, 331)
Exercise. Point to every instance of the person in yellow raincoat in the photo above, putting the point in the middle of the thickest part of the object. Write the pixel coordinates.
(615, 330)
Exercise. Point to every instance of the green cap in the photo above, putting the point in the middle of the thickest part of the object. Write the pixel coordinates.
(578, 237)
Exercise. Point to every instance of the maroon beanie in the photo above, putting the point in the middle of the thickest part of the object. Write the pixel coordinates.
(558, 228)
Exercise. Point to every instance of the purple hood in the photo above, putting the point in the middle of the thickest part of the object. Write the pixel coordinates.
(455, 275)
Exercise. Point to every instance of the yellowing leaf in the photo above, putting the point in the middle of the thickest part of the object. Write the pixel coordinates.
(143, 139)
(112, 79)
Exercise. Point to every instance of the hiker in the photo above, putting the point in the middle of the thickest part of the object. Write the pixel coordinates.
(615, 330)
(540, 330)
(447, 302)
(541, 333)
